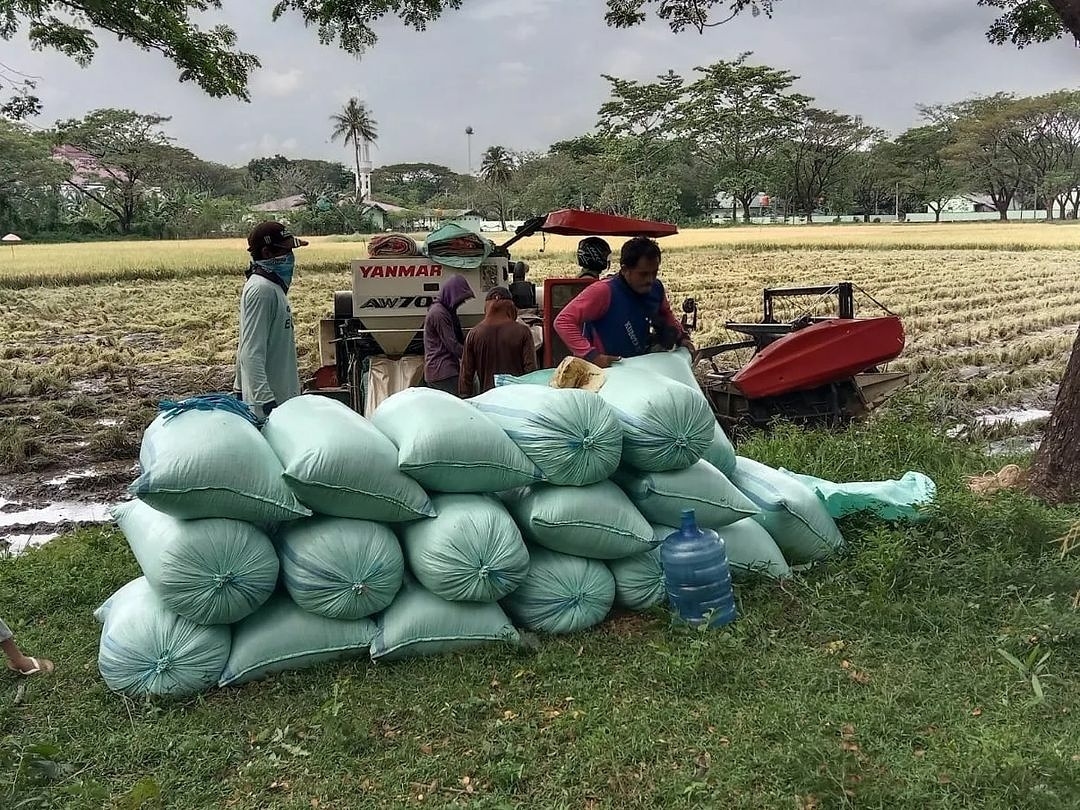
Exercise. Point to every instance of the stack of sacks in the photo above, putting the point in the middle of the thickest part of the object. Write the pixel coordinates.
(210, 491)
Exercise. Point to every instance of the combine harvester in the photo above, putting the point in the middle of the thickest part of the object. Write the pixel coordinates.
(810, 370)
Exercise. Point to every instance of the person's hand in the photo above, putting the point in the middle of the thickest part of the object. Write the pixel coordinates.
(688, 344)
(605, 360)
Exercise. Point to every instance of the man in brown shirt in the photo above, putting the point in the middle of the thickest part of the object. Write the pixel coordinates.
(497, 345)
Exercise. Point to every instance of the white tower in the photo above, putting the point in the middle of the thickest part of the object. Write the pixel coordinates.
(365, 171)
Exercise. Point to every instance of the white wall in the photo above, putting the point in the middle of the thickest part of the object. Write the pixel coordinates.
(972, 216)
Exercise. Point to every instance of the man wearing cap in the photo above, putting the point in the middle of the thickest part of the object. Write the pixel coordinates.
(499, 344)
(266, 367)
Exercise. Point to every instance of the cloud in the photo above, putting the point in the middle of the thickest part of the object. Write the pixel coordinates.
(509, 9)
(279, 83)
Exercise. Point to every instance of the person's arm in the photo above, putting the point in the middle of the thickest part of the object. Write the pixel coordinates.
(591, 304)
(257, 305)
(444, 331)
(528, 350)
(667, 317)
(468, 369)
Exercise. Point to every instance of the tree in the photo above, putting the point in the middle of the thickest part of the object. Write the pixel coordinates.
(1055, 473)
(352, 24)
(265, 168)
(115, 152)
(496, 170)
(1027, 22)
(26, 168)
(874, 176)
(416, 183)
(988, 147)
(355, 125)
(738, 116)
(822, 141)
(206, 57)
(924, 172)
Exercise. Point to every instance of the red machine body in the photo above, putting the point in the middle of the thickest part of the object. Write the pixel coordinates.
(820, 354)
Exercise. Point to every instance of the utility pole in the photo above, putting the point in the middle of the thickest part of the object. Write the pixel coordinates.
(897, 200)
(468, 137)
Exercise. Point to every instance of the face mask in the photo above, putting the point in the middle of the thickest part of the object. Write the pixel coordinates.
(281, 266)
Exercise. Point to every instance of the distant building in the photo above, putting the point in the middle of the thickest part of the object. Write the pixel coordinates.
(970, 203)
(280, 205)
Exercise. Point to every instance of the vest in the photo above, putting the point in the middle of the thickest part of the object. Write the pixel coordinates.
(624, 329)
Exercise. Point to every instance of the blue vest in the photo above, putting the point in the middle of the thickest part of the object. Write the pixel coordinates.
(624, 329)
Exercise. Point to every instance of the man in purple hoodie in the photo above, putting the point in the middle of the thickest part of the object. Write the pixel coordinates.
(444, 339)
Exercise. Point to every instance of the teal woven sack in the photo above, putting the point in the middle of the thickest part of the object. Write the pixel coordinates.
(889, 500)
(337, 463)
(597, 521)
(146, 649)
(790, 511)
(280, 637)
(542, 376)
(662, 497)
(639, 580)
(471, 552)
(572, 436)
(666, 425)
(445, 246)
(340, 568)
(562, 594)
(675, 365)
(419, 623)
(449, 446)
(721, 453)
(213, 464)
(752, 551)
(210, 571)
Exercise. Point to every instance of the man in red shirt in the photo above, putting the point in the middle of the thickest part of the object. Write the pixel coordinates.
(623, 316)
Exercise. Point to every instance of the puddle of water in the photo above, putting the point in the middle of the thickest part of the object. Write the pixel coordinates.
(17, 544)
(1020, 416)
(61, 480)
(1015, 445)
(58, 512)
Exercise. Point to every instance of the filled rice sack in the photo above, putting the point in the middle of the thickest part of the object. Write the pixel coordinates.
(572, 436)
(212, 464)
(790, 511)
(210, 571)
(337, 463)
(281, 637)
(449, 446)
(666, 425)
(662, 497)
(752, 551)
(340, 568)
(639, 580)
(147, 649)
(418, 623)
(561, 594)
(471, 552)
(597, 521)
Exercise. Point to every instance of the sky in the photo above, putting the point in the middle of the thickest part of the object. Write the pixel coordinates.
(527, 73)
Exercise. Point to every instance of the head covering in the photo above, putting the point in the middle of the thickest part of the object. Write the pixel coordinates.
(498, 294)
(272, 234)
(593, 255)
(455, 292)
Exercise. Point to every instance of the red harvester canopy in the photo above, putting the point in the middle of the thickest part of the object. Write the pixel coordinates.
(569, 222)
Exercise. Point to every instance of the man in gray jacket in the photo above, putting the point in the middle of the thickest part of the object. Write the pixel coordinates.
(266, 367)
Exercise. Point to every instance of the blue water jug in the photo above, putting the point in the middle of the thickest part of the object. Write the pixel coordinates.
(696, 574)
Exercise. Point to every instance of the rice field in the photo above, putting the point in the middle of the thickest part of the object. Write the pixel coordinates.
(93, 335)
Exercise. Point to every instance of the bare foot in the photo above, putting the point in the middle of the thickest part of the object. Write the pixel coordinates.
(29, 667)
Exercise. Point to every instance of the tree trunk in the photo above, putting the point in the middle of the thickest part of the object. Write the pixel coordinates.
(356, 150)
(1003, 213)
(1061, 207)
(1055, 475)
(1076, 207)
(1069, 11)
(937, 214)
(746, 209)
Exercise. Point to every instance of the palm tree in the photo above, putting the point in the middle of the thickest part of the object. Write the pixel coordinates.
(356, 126)
(497, 169)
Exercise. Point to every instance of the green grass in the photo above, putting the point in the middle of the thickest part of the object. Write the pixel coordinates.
(897, 677)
